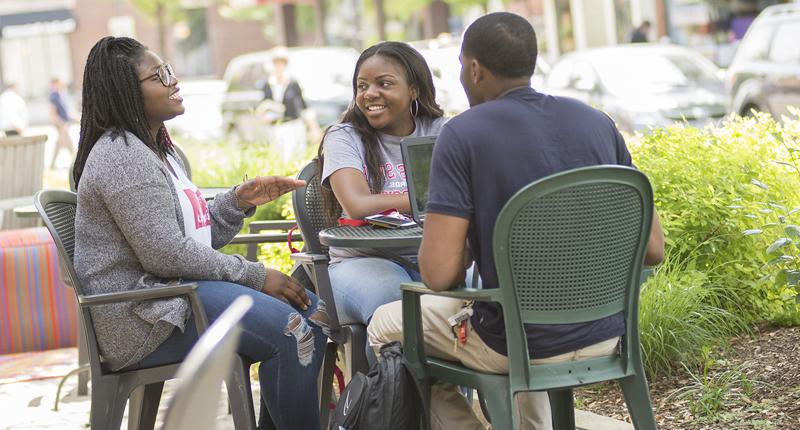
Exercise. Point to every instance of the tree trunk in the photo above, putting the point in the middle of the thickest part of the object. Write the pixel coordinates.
(319, 17)
(161, 22)
(380, 14)
(287, 28)
(435, 19)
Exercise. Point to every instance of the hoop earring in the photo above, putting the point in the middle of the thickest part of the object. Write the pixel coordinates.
(414, 108)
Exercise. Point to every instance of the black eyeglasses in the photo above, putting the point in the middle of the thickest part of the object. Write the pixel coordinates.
(165, 75)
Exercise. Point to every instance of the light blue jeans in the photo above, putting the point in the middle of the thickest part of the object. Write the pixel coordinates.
(288, 342)
(362, 284)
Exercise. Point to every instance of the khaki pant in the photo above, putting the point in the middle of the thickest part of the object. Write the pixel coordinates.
(450, 409)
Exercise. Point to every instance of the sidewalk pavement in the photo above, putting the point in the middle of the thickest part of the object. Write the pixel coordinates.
(28, 405)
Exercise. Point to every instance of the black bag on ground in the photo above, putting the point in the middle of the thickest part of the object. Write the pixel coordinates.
(389, 397)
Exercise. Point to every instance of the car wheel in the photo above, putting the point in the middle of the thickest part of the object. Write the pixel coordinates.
(749, 110)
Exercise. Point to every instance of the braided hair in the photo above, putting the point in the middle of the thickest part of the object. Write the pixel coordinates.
(418, 75)
(113, 101)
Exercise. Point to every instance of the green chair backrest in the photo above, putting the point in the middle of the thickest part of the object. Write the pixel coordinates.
(57, 209)
(309, 209)
(569, 248)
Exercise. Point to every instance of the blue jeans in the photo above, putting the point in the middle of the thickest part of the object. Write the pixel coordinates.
(362, 284)
(289, 349)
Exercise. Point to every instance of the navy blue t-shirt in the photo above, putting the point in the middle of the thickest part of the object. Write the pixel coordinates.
(488, 153)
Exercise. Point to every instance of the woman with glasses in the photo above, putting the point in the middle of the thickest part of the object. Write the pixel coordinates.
(141, 223)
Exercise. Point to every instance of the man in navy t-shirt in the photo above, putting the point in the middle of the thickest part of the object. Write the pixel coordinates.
(510, 137)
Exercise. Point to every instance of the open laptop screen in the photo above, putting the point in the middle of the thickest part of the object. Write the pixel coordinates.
(417, 154)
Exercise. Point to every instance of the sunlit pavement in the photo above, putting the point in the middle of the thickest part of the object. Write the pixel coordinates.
(28, 404)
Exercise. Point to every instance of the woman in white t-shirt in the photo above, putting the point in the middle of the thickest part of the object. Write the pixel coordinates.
(362, 168)
(141, 223)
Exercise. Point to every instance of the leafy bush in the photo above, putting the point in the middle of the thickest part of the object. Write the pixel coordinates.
(679, 318)
(774, 218)
(700, 177)
(222, 163)
(218, 163)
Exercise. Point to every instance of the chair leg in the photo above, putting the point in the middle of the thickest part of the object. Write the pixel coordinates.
(108, 404)
(83, 358)
(484, 408)
(240, 395)
(502, 410)
(325, 382)
(637, 397)
(563, 409)
(143, 406)
(356, 350)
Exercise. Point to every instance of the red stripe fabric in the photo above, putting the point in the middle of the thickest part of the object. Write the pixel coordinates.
(37, 310)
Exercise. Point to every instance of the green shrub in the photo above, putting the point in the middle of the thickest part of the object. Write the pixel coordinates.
(220, 163)
(679, 318)
(700, 177)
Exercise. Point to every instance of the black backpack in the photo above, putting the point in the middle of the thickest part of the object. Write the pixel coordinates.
(389, 397)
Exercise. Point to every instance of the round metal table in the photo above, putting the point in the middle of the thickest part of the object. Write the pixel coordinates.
(378, 239)
(371, 237)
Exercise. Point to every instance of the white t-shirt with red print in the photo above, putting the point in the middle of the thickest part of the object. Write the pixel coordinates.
(196, 218)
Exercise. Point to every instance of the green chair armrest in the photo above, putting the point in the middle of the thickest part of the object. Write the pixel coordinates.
(137, 295)
(189, 289)
(413, 339)
(489, 295)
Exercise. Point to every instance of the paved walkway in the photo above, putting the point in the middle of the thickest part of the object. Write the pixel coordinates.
(28, 404)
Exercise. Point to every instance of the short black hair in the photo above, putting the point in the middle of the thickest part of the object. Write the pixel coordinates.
(504, 43)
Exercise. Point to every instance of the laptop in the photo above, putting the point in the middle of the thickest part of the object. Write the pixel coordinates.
(417, 153)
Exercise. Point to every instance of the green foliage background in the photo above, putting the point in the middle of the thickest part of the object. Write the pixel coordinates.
(715, 281)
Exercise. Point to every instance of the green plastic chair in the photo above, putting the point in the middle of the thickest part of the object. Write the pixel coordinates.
(139, 388)
(568, 248)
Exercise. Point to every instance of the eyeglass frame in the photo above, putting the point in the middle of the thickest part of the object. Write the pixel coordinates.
(169, 72)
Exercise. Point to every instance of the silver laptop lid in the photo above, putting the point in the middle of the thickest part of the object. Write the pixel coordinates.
(417, 153)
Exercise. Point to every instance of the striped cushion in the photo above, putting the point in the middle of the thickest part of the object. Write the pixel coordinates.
(37, 311)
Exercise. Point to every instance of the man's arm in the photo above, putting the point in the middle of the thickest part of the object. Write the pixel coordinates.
(655, 245)
(443, 251)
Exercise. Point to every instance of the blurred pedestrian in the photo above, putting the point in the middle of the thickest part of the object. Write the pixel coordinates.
(59, 117)
(296, 125)
(282, 88)
(13, 111)
(639, 34)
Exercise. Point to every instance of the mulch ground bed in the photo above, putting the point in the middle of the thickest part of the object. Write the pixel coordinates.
(753, 384)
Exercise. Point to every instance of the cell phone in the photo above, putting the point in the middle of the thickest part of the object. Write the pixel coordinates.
(388, 222)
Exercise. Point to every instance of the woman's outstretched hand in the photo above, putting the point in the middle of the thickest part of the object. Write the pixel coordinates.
(286, 289)
(264, 189)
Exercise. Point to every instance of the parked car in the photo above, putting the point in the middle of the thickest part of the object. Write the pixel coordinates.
(324, 75)
(203, 101)
(765, 72)
(442, 58)
(643, 85)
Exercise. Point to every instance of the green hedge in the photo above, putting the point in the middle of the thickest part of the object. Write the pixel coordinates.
(708, 186)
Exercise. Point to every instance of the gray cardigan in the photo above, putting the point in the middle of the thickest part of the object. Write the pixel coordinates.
(129, 235)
